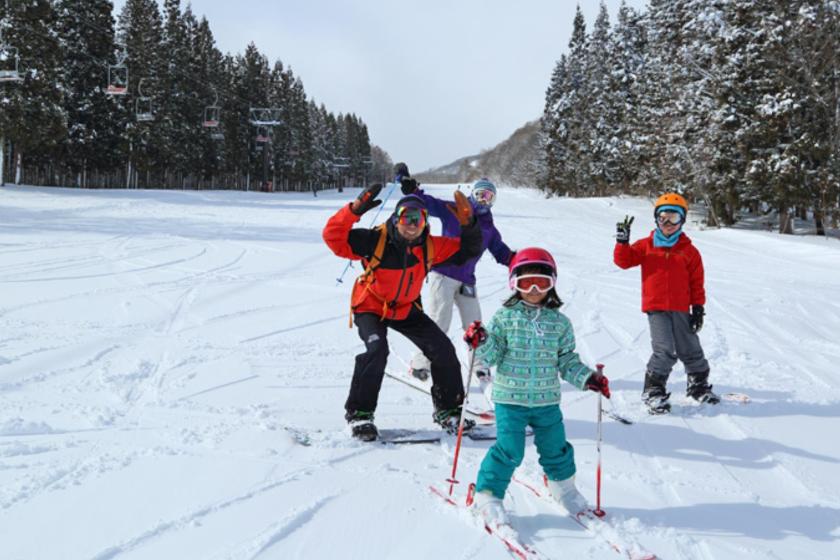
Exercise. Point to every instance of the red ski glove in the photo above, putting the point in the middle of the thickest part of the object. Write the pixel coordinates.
(475, 334)
(599, 383)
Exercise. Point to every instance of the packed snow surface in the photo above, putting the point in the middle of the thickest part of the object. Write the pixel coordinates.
(164, 355)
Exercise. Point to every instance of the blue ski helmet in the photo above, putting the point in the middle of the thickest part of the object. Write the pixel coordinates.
(483, 195)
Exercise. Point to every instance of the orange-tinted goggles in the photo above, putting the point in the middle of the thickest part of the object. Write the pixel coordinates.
(540, 282)
(408, 216)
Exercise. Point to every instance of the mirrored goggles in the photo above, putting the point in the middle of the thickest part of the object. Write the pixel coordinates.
(669, 217)
(409, 216)
(528, 282)
(485, 197)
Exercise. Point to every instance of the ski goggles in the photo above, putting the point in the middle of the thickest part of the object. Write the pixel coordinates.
(409, 216)
(485, 197)
(529, 282)
(669, 217)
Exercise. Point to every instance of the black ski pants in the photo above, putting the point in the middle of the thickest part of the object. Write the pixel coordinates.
(447, 385)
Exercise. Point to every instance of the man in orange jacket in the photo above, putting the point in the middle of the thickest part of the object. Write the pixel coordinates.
(673, 296)
(397, 256)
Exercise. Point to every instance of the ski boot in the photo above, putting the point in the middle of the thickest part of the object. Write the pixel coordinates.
(490, 508)
(361, 425)
(698, 388)
(420, 373)
(567, 495)
(654, 395)
(448, 418)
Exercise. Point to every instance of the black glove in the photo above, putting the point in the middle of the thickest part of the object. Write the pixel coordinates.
(475, 334)
(599, 383)
(400, 171)
(408, 185)
(696, 319)
(366, 200)
(622, 229)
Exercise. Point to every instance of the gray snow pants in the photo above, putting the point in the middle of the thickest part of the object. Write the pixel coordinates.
(671, 338)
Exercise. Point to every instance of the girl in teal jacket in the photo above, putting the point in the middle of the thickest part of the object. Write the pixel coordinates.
(530, 342)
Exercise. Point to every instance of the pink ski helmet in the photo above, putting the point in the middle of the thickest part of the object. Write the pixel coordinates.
(530, 255)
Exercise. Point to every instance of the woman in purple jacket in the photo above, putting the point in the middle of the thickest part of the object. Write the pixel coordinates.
(455, 284)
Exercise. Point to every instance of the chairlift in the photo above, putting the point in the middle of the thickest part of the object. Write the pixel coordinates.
(9, 62)
(212, 112)
(263, 135)
(264, 116)
(143, 106)
(217, 134)
(341, 162)
(211, 116)
(118, 76)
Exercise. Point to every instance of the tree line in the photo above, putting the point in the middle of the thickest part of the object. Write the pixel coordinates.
(149, 100)
(735, 103)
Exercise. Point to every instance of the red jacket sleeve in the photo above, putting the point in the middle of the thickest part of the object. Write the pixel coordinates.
(628, 256)
(696, 279)
(337, 233)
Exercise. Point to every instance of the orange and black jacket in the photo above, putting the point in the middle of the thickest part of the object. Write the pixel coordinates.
(394, 285)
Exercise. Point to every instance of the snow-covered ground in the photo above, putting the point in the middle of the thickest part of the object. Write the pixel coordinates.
(156, 348)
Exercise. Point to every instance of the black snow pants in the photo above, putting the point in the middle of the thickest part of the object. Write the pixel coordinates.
(447, 385)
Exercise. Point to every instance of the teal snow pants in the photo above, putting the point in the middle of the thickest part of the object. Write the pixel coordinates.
(557, 456)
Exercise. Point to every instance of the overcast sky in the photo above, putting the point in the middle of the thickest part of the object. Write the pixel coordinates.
(434, 80)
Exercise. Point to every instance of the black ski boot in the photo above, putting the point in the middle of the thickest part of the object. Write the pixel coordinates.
(699, 389)
(654, 395)
(420, 373)
(361, 425)
(448, 418)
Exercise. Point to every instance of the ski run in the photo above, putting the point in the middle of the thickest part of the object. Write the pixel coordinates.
(174, 365)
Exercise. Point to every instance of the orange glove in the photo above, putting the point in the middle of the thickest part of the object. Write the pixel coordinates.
(463, 209)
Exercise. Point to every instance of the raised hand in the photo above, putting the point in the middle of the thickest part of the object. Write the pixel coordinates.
(622, 229)
(366, 200)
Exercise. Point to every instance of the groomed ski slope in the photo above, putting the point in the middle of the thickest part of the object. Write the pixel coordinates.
(155, 347)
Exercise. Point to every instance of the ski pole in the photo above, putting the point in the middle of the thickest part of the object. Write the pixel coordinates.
(598, 511)
(340, 279)
(452, 480)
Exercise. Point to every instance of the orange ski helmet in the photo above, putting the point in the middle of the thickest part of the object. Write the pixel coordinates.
(670, 199)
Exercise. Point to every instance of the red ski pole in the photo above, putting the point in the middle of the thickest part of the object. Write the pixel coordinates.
(598, 511)
(452, 480)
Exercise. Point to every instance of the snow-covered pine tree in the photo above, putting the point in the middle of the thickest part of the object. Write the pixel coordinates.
(627, 48)
(301, 156)
(600, 113)
(32, 119)
(207, 71)
(321, 144)
(252, 91)
(139, 28)
(95, 120)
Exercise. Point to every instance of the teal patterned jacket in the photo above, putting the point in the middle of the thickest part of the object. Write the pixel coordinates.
(529, 346)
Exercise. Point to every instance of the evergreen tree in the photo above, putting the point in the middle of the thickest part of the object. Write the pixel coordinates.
(140, 30)
(33, 119)
(96, 120)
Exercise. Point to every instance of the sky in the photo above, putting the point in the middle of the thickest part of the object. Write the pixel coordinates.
(434, 80)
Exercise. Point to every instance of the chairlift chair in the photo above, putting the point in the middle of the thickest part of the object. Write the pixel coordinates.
(117, 79)
(143, 106)
(144, 110)
(263, 135)
(9, 64)
(211, 116)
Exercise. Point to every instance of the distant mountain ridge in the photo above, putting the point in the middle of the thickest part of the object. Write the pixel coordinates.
(514, 162)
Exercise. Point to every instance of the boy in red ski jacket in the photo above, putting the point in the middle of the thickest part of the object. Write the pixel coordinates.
(673, 296)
